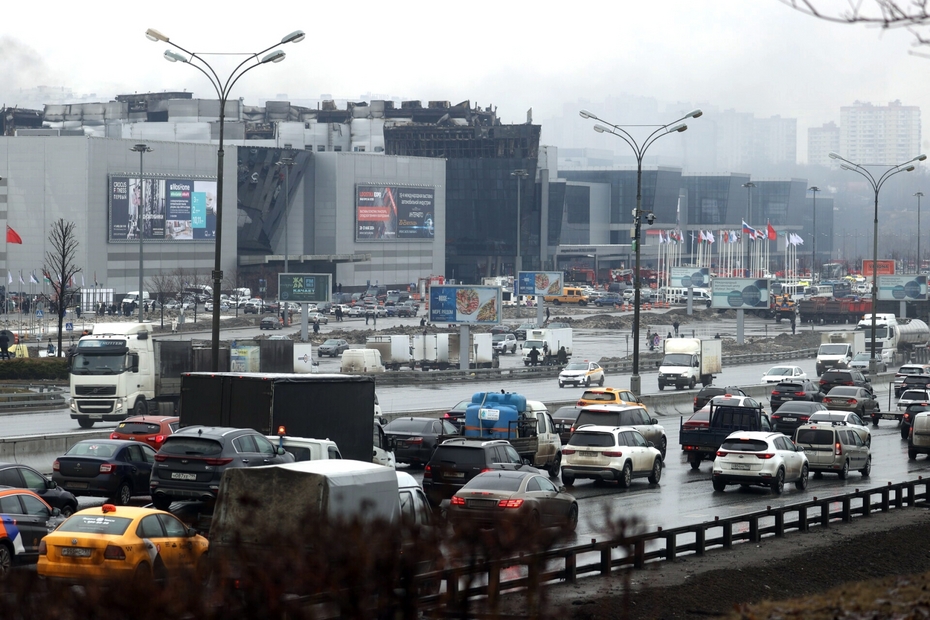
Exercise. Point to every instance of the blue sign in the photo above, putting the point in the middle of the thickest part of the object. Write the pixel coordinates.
(465, 304)
(39, 314)
(69, 327)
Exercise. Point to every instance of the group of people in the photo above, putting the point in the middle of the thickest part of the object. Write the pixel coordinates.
(561, 357)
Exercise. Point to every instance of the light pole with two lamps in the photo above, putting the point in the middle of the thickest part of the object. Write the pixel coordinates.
(814, 189)
(748, 185)
(223, 89)
(520, 175)
(919, 196)
(640, 152)
(287, 163)
(141, 149)
(876, 187)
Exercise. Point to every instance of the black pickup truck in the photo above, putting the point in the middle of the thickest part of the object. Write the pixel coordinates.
(727, 415)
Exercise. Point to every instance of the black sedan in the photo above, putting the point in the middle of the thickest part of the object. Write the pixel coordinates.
(25, 477)
(793, 414)
(113, 468)
(456, 415)
(415, 439)
(794, 390)
(564, 418)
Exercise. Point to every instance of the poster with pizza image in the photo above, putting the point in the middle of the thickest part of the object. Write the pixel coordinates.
(480, 305)
(540, 283)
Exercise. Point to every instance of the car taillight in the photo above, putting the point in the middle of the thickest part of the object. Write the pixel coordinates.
(804, 418)
(114, 553)
(218, 462)
(800, 393)
(837, 448)
(43, 548)
(114, 436)
(510, 503)
(484, 470)
(765, 456)
(428, 472)
(159, 439)
(775, 416)
(56, 466)
(572, 429)
(612, 453)
(458, 501)
(567, 451)
(415, 440)
(722, 453)
(827, 400)
(774, 392)
(580, 403)
(447, 416)
(852, 401)
(847, 383)
(161, 458)
(106, 468)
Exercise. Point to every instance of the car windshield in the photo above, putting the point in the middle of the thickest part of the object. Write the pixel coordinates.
(599, 396)
(784, 386)
(844, 391)
(815, 437)
(827, 417)
(95, 524)
(566, 413)
(677, 359)
(408, 425)
(744, 445)
(96, 450)
(494, 481)
(833, 349)
(191, 446)
(137, 428)
(909, 370)
(780, 371)
(462, 405)
(798, 407)
(862, 357)
(593, 440)
(914, 395)
(701, 415)
(331, 343)
(576, 366)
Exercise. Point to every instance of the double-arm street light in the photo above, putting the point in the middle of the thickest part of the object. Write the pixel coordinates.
(919, 196)
(814, 189)
(518, 261)
(745, 238)
(876, 184)
(287, 163)
(223, 88)
(640, 152)
(141, 149)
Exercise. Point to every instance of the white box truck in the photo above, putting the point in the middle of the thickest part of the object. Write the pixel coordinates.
(547, 343)
(688, 361)
(395, 350)
(837, 349)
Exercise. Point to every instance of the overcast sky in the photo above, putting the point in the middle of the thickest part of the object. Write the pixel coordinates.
(756, 56)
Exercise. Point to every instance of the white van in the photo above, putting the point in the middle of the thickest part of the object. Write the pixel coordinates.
(308, 449)
(356, 361)
(132, 297)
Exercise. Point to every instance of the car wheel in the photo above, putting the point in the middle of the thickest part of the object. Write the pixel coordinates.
(875, 421)
(720, 485)
(601, 383)
(663, 446)
(626, 476)
(691, 384)
(587, 381)
(661, 386)
(656, 474)
(844, 473)
(513, 350)
(556, 466)
(85, 423)
(778, 483)
(904, 431)
(6, 560)
(561, 385)
(567, 479)
(572, 522)
(142, 577)
(911, 454)
(140, 408)
(695, 462)
(68, 510)
(801, 484)
(123, 494)
(865, 471)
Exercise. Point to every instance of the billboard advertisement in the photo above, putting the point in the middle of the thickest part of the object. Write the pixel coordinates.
(539, 283)
(683, 277)
(739, 293)
(393, 213)
(885, 267)
(902, 288)
(304, 287)
(163, 209)
(478, 305)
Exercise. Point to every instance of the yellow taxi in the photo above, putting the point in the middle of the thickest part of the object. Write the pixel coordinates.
(609, 396)
(122, 543)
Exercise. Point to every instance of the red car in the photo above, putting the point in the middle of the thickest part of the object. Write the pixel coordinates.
(147, 429)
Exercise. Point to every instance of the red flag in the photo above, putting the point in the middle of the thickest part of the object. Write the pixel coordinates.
(772, 234)
(12, 236)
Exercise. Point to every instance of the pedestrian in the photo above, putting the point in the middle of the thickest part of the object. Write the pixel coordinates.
(367, 316)
(562, 356)
(793, 324)
(5, 346)
(50, 351)
(655, 340)
(675, 326)
(316, 327)
(545, 349)
(534, 353)
(423, 321)
(547, 314)
(668, 336)
(77, 311)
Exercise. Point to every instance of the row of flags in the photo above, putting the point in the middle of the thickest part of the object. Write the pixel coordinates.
(730, 236)
(34, 280)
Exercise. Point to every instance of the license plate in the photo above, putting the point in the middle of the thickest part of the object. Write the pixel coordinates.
(76, 485)
(482, 503)
(587, 453)
(889, 417)
(76, 552)
(453, 474)
(789, 419)
(741, 466)
(177, 475)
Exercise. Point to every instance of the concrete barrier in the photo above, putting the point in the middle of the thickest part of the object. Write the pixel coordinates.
(40, 451)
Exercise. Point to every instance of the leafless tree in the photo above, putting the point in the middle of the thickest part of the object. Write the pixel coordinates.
(60, 267)
(161, 285)
(913, 15)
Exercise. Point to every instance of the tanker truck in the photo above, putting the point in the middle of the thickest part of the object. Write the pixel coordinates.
(907, 337)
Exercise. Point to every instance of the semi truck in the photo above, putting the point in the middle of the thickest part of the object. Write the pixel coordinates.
(121, 370)
(443, 351)
(395, 350)
(688, 361)
(909, 337)
(325, 406)
(822, 310)
(547, 341)
(837, 349)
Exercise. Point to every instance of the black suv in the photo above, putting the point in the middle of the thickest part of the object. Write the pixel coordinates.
(907, 419)
(792, 414)
(913, 382)
(839, 376)
(191, 462)
(709, 391)
(456, 461)
(795, 389)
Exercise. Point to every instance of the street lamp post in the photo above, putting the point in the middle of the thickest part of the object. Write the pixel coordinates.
(518, 262)
(876, 187)
(141, 149)
(287, 163)
(814, 189)
(919, 196)
(223, 89)
(748, 185)
(639, 151)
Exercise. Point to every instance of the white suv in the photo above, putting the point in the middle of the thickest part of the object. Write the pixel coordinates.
(610, 453)
(760, 458)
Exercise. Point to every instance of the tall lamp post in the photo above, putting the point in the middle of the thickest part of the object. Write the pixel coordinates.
(223, 89)
(919, 196)
(141, 149)
(876, 187)
(287, 163)
(814, 189)
(518, 262)
(748, 185)
(639, 151)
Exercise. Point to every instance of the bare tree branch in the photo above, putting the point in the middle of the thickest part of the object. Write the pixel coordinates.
(60, 267)
(883, 13)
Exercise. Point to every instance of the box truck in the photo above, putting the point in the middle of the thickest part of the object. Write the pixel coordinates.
(688, 361)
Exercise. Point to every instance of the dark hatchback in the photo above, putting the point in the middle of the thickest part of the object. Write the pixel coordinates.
(907, 419)
(117, 469)
(709, 391)
(834, 377)
(564, 419)
(24, 477)
(913, 382)
(191, 462)
(414, 439)
(796, 389)
(456, 415)
(793, 414)
(456, 461)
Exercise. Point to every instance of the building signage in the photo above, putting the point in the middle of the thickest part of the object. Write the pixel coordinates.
(739, 293)
(902, 288)
(304, 287)
(885, 268)
(393, 213)
(479, 305)
(540, 283)
(683, 277)
(166, 209)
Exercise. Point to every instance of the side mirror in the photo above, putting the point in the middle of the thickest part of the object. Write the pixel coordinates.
(191, 532)
(51, 484)
(561, 488)
(653, 421)
(658, 364)
(649, 444)
(56, 512)
(280, 451)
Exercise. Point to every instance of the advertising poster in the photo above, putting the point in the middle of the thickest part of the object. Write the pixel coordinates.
(166, 209)
(304, 287)
(540, 283)
(393, 213)
(737, 293)
(902, 288)
(480, 305)
(885, 267)
(683, 277)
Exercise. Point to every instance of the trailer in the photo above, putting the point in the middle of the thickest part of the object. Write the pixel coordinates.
(395, 350)
(831, 310)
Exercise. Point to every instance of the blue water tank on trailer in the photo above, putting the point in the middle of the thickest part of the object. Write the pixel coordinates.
(518, 401)
(491, 420)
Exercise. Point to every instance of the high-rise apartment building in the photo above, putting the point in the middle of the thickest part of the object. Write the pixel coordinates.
(821, 141)
(871, 134)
